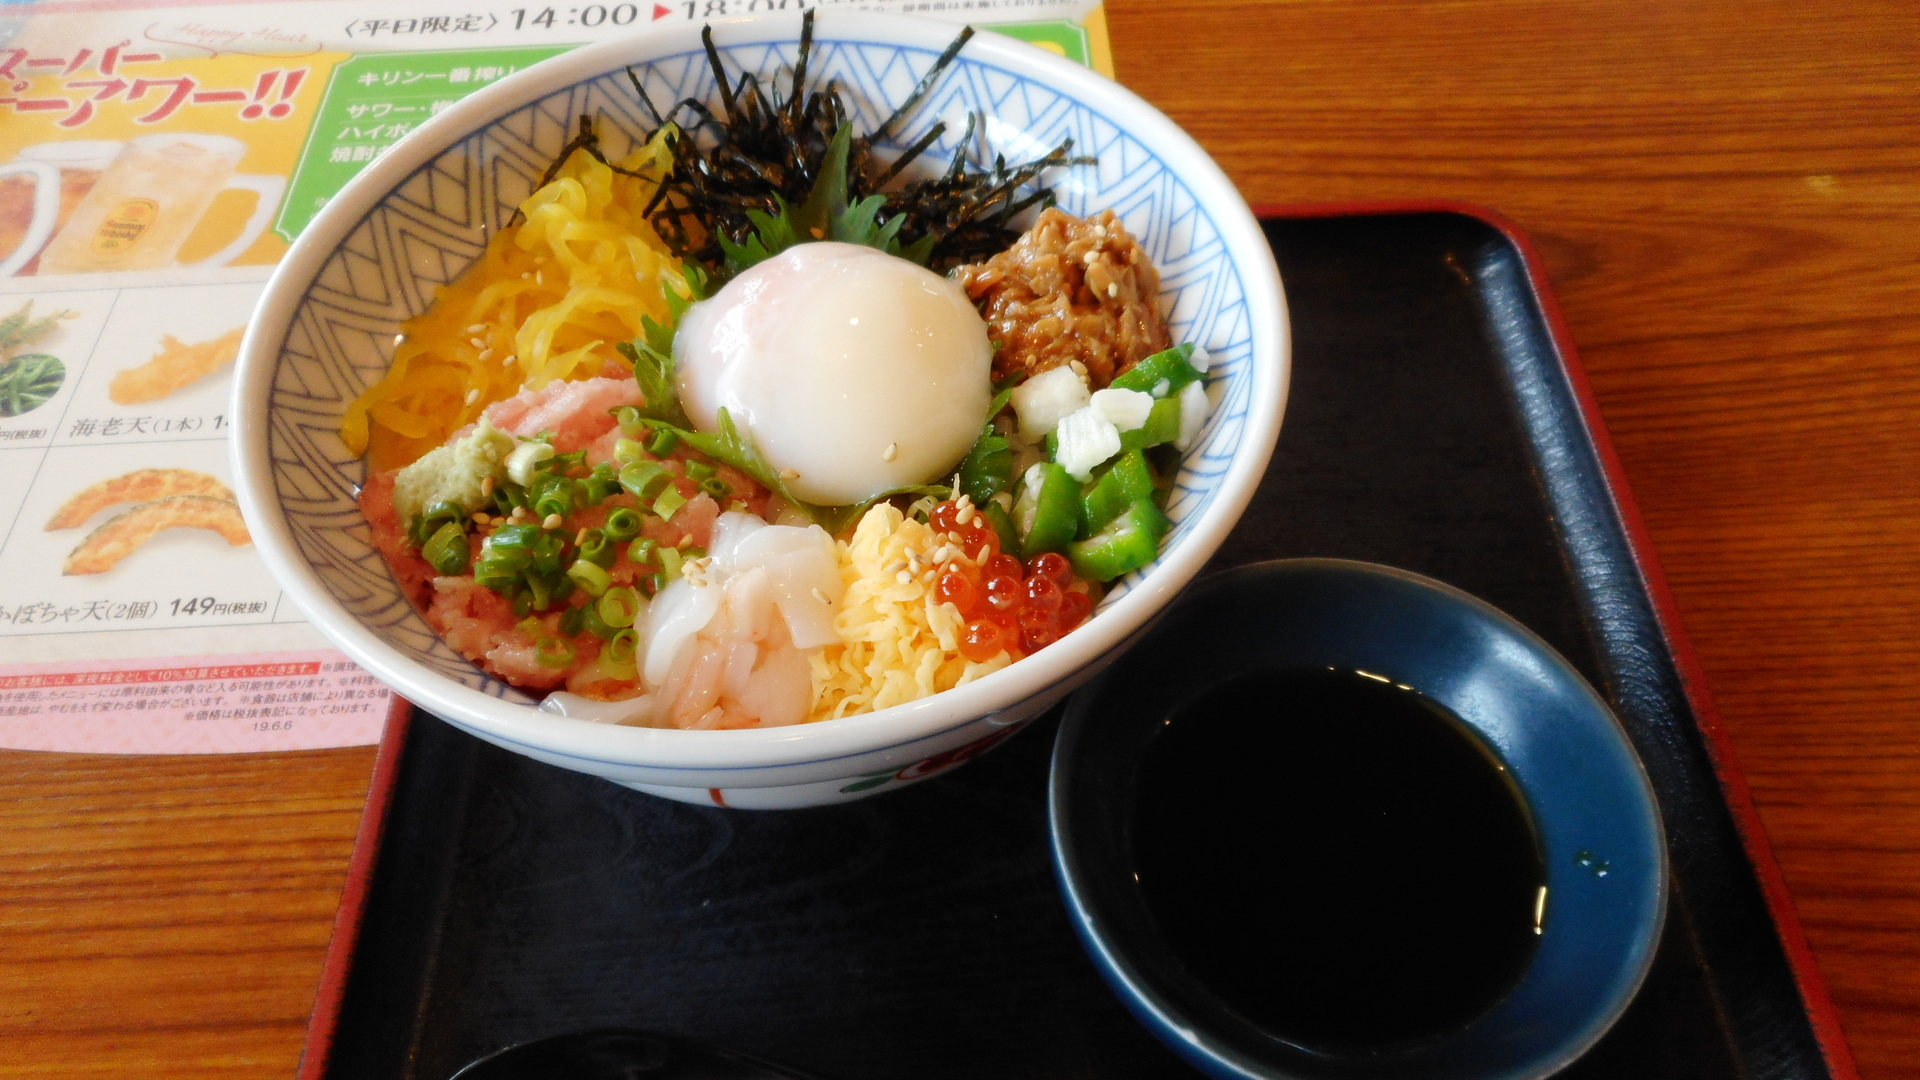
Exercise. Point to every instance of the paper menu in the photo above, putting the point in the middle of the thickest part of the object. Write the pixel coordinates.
(155, 163)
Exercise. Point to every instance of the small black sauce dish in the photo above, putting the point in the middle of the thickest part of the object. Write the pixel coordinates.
(1335, 820)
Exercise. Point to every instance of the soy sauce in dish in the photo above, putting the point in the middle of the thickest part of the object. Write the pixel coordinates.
(1337, 858)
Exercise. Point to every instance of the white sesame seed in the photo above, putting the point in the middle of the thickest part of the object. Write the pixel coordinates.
(1090, 258)
(820, 596)
(553, 521)
(486, 485)
(1079, 368)
(685, 543)
(892, 451)
(480, 517)
(477, 328)
(1113, 289)
(478, 343)
(580, 537)
(895, 565)
(473, 395)
(789, 474)
(486, 354)
(903, 578)
(965, 516)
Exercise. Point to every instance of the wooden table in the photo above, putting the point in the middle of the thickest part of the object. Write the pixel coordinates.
(1728, 198)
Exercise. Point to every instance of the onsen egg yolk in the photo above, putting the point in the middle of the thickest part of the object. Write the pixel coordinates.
(857, 370)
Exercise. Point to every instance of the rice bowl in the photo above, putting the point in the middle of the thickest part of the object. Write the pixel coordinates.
(325, 334)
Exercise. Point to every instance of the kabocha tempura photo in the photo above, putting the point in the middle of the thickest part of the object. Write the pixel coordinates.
(746, 429)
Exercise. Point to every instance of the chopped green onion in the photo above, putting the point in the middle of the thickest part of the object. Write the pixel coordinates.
(626, 451)
(507, 537)
(620, 606)
(622, 524)
(643, 479)
(531, 627)
(522, 603)
(600, 483)
(593, 580)
(447, 550)
(574, 619)
(617, 658)
(423, 526)
(624, 645)
(716, 487)
(642, 551)
(500, 575)
(653, 583)
(670, 562)
(699, 470)
(594, 624)
(507, 497)
(554, 497)
(540, 589)
(552, 652)
(662, 442)
(629, 420)
(560, 464)
(668, 503)
(595, 549)
(525, 457)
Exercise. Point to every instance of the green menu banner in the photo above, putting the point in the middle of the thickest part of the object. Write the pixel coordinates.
(374, 100)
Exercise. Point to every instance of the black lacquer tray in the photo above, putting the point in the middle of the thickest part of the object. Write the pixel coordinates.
(1438, 422)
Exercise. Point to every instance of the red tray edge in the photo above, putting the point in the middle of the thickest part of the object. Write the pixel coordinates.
(1733, 783)
(1739, 797)
(353, 897)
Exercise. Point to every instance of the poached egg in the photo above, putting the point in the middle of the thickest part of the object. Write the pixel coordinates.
(855, 371)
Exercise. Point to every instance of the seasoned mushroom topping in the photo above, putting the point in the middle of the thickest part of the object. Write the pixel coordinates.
(1070, 289)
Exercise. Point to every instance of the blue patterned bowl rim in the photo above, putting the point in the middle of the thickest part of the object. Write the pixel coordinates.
(1266, 369)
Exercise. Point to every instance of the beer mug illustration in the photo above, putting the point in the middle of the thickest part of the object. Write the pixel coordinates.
(39, 190)
(143, 207)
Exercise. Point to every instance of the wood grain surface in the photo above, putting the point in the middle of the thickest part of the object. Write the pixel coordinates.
(1728, 198)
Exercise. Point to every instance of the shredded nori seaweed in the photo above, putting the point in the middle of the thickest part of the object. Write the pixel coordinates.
(768, 147)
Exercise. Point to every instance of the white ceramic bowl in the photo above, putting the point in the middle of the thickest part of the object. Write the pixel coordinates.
(420, 214)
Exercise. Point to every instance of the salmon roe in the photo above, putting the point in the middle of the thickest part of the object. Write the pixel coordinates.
(1009, 606)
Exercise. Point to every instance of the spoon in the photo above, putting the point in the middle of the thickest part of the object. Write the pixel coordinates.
(621, 1054)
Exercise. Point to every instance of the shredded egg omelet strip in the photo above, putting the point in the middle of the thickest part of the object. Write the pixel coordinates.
(898, 641)
(549, 299)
